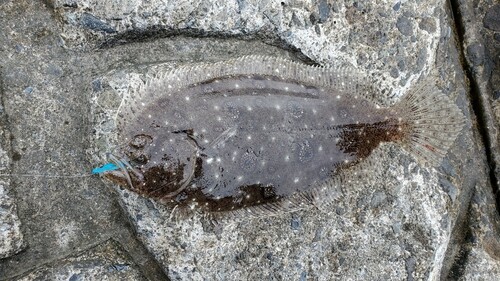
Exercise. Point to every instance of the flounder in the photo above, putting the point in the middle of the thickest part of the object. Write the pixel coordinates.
(261, 135)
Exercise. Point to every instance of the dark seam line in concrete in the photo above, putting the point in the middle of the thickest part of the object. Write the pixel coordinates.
(144, 260)
(8, 144)
(126, 235)
(477, 101)
(48, 262)
(460, 254)
(8, 147)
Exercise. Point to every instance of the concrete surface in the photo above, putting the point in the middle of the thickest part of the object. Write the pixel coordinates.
(106, 261)
(65, 64)
(11, 238)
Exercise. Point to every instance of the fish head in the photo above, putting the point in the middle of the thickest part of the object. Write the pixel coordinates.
(155, 166)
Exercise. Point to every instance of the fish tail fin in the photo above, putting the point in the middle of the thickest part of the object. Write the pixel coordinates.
(433, 119)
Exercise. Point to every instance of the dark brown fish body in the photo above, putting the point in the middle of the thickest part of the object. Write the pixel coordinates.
(246, 140)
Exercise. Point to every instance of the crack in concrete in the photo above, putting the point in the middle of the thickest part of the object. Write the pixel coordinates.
(462, 233)
(478, 101)
(144, 260)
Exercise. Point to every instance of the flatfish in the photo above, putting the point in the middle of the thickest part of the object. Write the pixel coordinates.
(260, 135)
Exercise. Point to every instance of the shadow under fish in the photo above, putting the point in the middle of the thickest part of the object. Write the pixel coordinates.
(262, 135)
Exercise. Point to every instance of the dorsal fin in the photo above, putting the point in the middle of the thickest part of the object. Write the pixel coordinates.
(341, 79)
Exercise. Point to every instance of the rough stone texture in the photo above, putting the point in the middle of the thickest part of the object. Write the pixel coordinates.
(399, 222)
(103, 262)
(481, 251)
(491, 37)
(374, 37)
(11, 238)
(45, 120)
(478, 257)
(66, 65)
(479, 24)
(491, 19)
(47, 113)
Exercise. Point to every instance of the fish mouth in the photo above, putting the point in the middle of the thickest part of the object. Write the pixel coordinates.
(119, 178)
(128, 176)
(122, 176)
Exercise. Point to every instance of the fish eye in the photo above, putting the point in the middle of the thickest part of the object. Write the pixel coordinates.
(140, 141)
(141, 159)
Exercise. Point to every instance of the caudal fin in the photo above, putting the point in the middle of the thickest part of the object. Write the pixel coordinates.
(434, 122)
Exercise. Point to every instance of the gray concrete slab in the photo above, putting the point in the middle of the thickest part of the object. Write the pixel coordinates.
(59, 215)
(106, 261)
(11, 237)
(477, 26)
(66, 65)
(478, 29)
(195, 252)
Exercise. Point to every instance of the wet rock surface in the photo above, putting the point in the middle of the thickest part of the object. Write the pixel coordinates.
(66, 64)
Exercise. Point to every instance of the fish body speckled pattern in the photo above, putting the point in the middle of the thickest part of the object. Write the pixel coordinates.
(261, 135)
